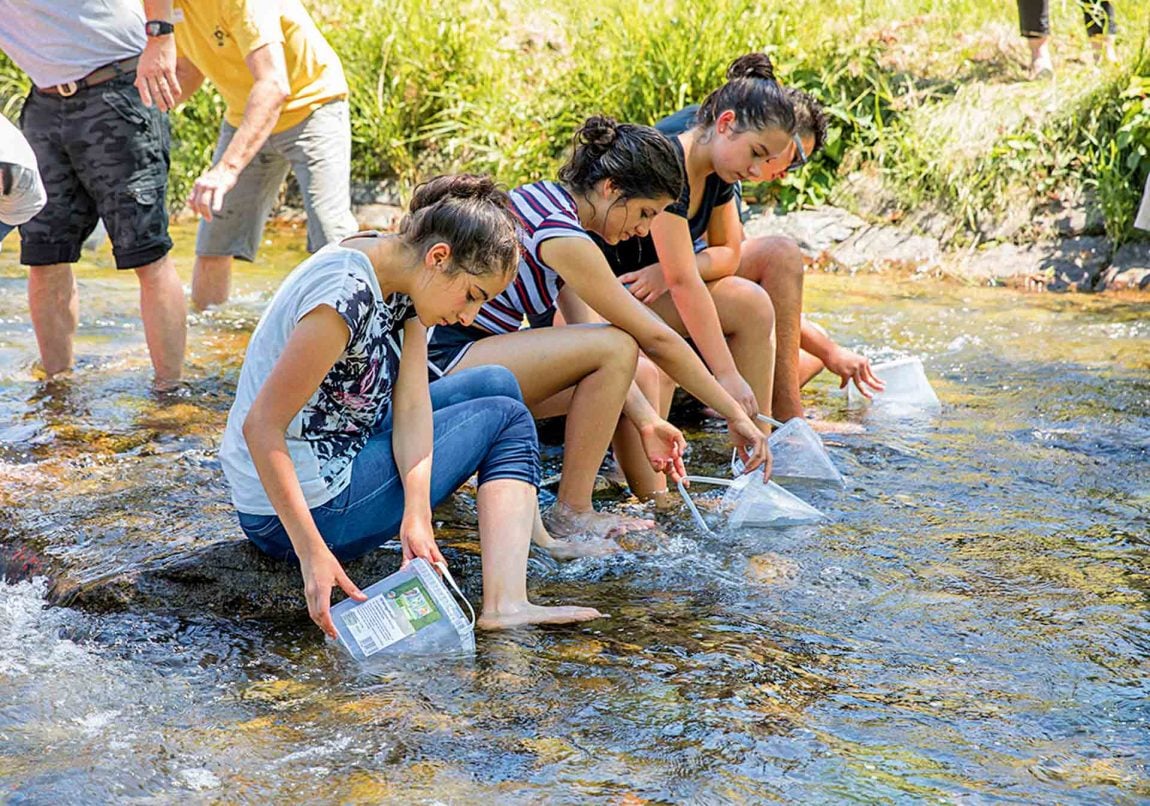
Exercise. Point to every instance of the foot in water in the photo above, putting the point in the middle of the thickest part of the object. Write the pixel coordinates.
(526, 613)
(563, 521)
(835, 427)
(570, 549)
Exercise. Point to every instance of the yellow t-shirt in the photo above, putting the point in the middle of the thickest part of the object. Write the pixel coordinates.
(217, 35)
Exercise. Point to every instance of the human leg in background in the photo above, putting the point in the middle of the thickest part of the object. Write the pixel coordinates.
(165, 313)
(1101, 27)
(775, 263)
(645, 482)
(54, 304)
(1034, 24)
(319, 150)
(236, 230)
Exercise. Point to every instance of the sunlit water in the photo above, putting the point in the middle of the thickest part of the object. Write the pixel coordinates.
(968, 625)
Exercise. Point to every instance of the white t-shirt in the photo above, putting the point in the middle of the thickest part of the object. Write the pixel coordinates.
(57, 41)
(332, 427)
(26, 195)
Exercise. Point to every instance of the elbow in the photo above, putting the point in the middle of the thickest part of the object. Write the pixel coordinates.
(687, 284)
(282, 93)
(255, 429)
(276, 90)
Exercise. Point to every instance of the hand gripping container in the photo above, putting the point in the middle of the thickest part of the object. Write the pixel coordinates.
(906, 387)
(409, 612)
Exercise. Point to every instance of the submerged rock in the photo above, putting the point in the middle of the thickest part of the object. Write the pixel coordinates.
(230, 578)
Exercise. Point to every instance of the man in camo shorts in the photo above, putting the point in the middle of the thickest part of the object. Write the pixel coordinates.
(102, 154)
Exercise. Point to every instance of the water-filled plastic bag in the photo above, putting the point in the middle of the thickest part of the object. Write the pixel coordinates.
(410, 611)
(906, 387)
(753, 502)
(798, 454)
(749, 501)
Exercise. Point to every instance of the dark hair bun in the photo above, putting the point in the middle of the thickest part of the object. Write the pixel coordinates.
(598, 133)
(456, 186)
(753, 65)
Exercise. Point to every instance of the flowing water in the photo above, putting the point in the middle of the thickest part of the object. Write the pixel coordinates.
(968, 625)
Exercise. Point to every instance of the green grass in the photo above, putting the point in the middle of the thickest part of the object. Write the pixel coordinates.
(928, 93)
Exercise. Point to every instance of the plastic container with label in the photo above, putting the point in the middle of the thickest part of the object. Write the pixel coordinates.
(410, 611)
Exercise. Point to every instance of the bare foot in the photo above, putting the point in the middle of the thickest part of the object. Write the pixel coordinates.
(574, 549)
(589, 546)
(564, 521)
(527, 613)
(835, 427)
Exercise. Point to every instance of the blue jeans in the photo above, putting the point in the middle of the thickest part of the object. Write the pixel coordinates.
(480, 425)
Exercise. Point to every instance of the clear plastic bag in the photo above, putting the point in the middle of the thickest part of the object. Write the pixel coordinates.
(410, 611)
(906, 387)
(749, 501)
(799, 455)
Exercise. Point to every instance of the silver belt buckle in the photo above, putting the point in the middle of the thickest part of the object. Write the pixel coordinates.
(67, 90)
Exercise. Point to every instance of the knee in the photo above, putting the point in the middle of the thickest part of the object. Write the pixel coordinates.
(497, 381)
(518, 422)
(157, 273)
(620, 348)
(752, 305)
(647, 376)
(776, 255)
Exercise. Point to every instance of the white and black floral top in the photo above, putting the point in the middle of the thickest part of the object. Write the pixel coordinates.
(336, 421)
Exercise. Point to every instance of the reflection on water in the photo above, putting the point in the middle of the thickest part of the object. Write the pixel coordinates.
(970, 622)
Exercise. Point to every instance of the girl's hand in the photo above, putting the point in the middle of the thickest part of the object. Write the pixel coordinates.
(418, 539)
(321, 572)
(647, 284)
(664, 445)
(737, 387)
(751, 444)
(850, 366)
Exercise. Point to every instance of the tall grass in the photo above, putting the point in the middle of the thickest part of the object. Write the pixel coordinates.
(501, 85)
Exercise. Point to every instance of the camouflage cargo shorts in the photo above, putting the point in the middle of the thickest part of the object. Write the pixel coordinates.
(102, 154)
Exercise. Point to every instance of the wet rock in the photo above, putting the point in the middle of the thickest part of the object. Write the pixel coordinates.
(770, 568)
(1076, 263)
(230, 578)
(382, 217)
(1129, 268)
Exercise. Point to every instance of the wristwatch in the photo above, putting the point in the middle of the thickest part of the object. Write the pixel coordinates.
(158, 28)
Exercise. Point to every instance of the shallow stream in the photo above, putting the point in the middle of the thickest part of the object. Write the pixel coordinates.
(969, 625)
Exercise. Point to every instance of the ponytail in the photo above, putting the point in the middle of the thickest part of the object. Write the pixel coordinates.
(640, 161)
(753, 94)
(471, 215)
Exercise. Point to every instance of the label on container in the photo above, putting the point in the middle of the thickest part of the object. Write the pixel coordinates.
(382, 620)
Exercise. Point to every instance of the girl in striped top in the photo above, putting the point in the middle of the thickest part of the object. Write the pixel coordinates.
(618, 179)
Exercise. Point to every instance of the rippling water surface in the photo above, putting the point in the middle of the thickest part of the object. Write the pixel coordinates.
(969, 624)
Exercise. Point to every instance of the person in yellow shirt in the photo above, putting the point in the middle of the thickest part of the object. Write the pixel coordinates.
(286, 108)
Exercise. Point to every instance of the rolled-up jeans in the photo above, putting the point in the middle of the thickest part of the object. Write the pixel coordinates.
(480, 425)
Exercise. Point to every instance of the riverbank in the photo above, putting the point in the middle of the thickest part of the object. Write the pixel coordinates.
(1071, 254)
